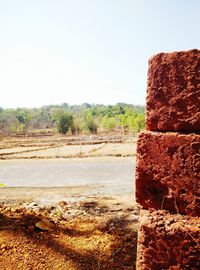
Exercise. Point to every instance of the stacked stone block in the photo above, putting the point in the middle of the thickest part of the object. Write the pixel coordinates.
(168, 172)
(173, 95)
(168, 241)
(168, 165)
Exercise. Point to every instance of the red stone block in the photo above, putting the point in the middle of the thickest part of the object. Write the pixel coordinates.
(168, 242)
(173, 95)
(168, 172)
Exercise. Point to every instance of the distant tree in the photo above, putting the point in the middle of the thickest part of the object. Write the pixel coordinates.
(41, 119)
(89, 124)
(64, 121)
(77, 125)
(23, 117)
(75, 118)
(132, 120)
(108, 123)
(139, 122)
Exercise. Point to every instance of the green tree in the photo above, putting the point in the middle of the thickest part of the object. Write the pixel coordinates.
(132, 120)
(89, 124)
(77, 125)
(139, 122)
(41, 119)
(76, 118)
(108, 123)
(64, 121)
(8, 121)
(23, 118)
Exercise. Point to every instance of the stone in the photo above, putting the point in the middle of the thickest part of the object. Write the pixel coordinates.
(46, 225)
(170, 246)
(168, 172)
(173, 92)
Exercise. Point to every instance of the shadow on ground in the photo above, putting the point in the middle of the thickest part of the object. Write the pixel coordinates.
(78, 243)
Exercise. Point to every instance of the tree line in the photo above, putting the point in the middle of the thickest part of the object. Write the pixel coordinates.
(74, 119)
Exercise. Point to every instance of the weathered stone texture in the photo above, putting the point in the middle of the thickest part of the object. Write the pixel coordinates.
(168, 241)
(173, 95)
(168, 172)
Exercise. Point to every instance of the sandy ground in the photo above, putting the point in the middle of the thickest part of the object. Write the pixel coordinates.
(43, 228)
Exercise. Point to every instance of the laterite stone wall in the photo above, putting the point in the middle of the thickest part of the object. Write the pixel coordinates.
(167, 241)
(168, 172)
(168, 165)
(173, 93)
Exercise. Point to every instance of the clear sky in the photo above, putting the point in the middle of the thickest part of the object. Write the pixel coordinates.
(95, 51)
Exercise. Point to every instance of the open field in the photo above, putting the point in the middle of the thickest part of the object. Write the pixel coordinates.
(66, 147)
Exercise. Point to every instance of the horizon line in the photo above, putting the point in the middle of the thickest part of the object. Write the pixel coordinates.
(71, 105)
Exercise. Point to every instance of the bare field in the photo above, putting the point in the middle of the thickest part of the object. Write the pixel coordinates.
(66, 147)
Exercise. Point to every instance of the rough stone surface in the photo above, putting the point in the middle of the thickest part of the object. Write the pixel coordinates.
(168, 241)
(173, 95)
(168, 172)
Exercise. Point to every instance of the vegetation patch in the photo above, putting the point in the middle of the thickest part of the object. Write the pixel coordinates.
(74, 119)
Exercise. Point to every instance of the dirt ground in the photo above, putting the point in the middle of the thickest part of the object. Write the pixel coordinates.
(78, 233)
(89, 233)
(66, 147)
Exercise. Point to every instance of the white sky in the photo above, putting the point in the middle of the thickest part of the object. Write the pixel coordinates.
(93, 51)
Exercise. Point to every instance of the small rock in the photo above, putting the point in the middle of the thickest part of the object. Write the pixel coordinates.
(89, 204)
(31, 228)
(118, 203)
(102, 226)
(3, 246)
(63, 204)
(130, 209)
(45, 225)
(115, 209)
(170, 221)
